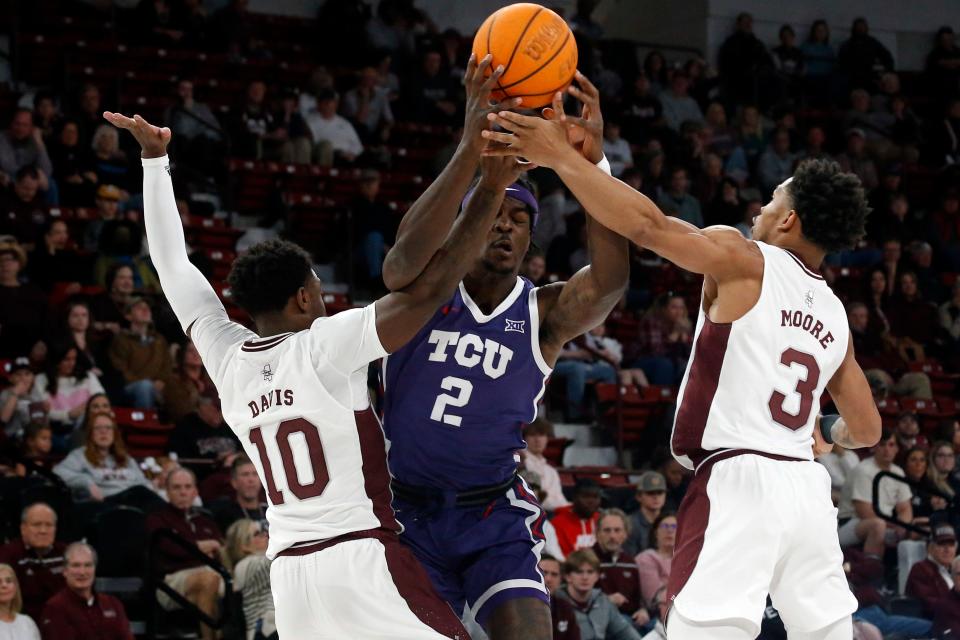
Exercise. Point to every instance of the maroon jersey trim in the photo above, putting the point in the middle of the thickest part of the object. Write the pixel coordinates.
(376, 476)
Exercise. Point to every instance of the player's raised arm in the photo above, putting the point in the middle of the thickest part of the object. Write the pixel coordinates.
(189, 293)
(580, 304)
(401, 314)
(721, 252)
(427, 223)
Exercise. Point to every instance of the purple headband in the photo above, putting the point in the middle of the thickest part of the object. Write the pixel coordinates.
(518, 192)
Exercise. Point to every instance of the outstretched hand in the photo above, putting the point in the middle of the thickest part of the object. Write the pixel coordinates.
(479, 87)
(542, 142)
(153, 140)
(586, 132)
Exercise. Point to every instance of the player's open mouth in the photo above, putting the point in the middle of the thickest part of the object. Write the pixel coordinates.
(503, 245)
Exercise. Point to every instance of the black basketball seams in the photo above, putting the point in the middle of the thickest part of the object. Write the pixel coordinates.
(516, 45)
(537, 70)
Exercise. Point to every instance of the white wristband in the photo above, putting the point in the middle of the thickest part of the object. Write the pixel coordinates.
(604, 165)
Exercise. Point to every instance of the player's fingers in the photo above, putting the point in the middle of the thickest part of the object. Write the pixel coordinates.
(516, 120)
(509, 103)
(470, 70)
(118, 120)
(548, 113)
(499, 152)
(494, 77)
(574, 122)
(557, 103)
(497, 136)
(527, 166)
(587, 87)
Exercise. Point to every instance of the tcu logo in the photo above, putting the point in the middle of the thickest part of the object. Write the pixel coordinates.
(469, 351)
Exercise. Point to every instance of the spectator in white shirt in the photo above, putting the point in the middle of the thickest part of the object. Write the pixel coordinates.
(839, 463)
(14, 624)
(858, 521)
(537, 434)
(616, 149)
(333, 129)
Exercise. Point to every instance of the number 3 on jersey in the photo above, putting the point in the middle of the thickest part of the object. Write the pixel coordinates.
(805, 387)
(463, 388)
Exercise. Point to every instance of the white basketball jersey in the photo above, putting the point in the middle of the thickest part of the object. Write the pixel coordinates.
(298, 403)
(756, 383)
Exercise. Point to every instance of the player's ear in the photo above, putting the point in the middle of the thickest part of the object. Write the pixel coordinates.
(303, 299)
(790, 221)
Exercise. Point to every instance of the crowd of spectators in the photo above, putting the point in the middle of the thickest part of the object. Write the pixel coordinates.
(85, 333)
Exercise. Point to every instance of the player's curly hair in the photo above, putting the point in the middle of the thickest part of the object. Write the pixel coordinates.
(263, 279)
(831, 204)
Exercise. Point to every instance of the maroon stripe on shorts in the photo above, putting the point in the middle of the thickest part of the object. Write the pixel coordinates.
(414, 586)
(307, 548)
(700, 390)
(376, 477)
(692, 519)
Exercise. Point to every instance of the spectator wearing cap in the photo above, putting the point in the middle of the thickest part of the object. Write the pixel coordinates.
(537, 435)
(78, 612)
(374, 225)
(23, 306)
(141, 356)
(37, 557)
(22, 205)
(855, 160)
(562, 615)
(332, 130)
(18, 401)
(859, 524)
(576, 524)
(619, 579)
(931, 579)
(597, 617)
(654, 563)
(21, 145)
(651, 496)
(946, 611)
(908, 436)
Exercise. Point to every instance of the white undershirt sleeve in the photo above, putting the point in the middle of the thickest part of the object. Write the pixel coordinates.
(189, 293)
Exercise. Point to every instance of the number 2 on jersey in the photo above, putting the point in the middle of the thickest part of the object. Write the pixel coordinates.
(805, 388)
(311, 436)
(464, 389)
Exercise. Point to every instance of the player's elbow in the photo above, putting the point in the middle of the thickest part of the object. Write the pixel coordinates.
(393, 273)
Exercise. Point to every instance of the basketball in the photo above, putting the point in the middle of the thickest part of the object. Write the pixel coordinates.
(536, 48)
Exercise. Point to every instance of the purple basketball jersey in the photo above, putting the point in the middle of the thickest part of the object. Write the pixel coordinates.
(459, 392)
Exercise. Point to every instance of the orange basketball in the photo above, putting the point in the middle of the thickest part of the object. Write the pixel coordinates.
(536, 48)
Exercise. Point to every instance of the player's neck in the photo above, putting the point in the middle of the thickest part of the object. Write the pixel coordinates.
(277, 324)
(811, 255)
(488, 289)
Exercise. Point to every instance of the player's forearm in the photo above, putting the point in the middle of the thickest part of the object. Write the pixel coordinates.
(463, 246)
(186, 289)
(841, 434)
(428, 221)
(615, 205)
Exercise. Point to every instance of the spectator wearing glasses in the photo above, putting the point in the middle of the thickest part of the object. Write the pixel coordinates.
(597, 618)
(654, 563)
(243, 554)
(932, 579)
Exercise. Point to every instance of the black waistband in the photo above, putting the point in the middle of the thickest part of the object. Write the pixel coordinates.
(427, 496)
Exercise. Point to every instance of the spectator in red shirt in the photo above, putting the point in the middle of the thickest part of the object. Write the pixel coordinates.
(618, 571)
(576, 524)
(561, 611)
(931, 580)
(36, 557)
(197, 582)
(76, 612)
(946, 612)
